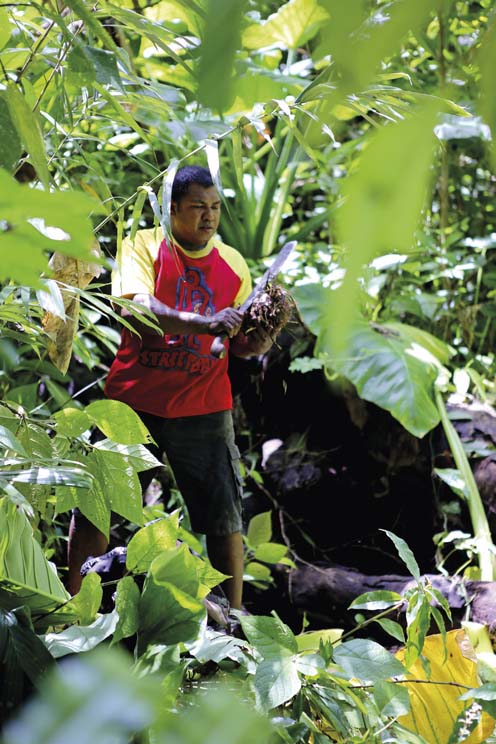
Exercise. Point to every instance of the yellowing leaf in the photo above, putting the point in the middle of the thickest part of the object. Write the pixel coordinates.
(293, 25)
(435, 707)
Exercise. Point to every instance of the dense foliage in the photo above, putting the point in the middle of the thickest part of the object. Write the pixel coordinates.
(362, 130)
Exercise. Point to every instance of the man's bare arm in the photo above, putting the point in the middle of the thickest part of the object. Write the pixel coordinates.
(174, 322)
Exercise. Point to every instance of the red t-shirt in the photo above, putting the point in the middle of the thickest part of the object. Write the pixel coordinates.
(174, 376)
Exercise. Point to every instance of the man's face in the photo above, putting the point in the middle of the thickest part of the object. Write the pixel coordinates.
(195, 218)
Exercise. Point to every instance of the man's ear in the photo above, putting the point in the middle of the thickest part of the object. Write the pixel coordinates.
(173, 207)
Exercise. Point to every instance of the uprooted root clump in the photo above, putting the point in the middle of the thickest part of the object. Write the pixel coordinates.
(270, 311)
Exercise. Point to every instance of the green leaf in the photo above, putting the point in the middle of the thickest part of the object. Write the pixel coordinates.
(486, 59)
(177, 566)
(268, 635)
(257, 571)
(30, 653)
(294, 23)
(50, 476)
(119, 483)
(69, 706)
(372, 193)
(137, 455)
(149, 542)
(105, 67)
(387, 371)
(367, 661)
(394, 629)
(72, 422)
(270, 552)
(312, 300)
(10, 442)
(405, 554)
(379, 600)
(418, 620)
(259, 529)
(167, 615)
(77, 638)
(87, 601)
(24, 246)
(127, 607)
(5, 28)
(311, 640)
(118, 422)
(391, 699)
(10, 143)
(220, 40)
(277, 680)
(26, 577)
(453, 478)
(28, 128)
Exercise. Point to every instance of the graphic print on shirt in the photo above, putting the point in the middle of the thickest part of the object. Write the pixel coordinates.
(183, 352)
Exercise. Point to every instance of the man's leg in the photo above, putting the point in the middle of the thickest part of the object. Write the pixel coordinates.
(226, 555)
(84, 540)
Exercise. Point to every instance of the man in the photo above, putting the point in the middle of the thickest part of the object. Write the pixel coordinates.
(181, 391)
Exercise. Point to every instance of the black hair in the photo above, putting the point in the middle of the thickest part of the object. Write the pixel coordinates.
(188, 175)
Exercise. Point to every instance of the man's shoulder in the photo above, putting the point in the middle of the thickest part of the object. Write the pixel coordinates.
(149, 235)
(232, 255)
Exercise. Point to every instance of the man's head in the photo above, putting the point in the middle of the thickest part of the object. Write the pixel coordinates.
(195, 207)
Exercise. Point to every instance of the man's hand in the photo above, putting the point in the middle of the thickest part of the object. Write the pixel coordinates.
(255, 343)
(225, 321)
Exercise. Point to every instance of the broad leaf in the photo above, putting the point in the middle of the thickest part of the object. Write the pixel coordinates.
(268, 635)
(259, 529)
(87, 601)
(78, 638)
(277, 680)
(137, 455)
(149, 542)
(167, 615)
(367, 661)
(389, 372)
(118, 422)
(292, 25)
(28, 128)
(127, 607)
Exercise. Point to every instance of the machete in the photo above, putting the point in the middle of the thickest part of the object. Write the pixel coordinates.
(217, 348)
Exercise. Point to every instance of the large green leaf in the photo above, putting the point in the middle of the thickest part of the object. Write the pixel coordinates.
(118, 422)
(388, 371)
(277, 680)
(149, 542)
(28, 128)
(292, 25)
(79, 638)
(73, 703)
(268, 635)
(220, 40)
(127, 606)
(21, 653)
(10, 143)
(61, 223)
(119, 482)
(137, 455)
(367, 661)
(26, 577)
(167, 615)
(382, 209)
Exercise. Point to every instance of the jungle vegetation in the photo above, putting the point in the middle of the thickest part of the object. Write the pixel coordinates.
(361, 130)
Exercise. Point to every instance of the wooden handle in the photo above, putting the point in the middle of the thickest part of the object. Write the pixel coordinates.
(217, 349)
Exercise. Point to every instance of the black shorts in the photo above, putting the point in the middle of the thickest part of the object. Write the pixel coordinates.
(204, 459)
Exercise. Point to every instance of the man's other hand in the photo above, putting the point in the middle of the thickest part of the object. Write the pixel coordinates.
(226, 321)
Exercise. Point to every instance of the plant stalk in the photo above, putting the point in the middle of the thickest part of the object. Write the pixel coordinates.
(482, 533)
